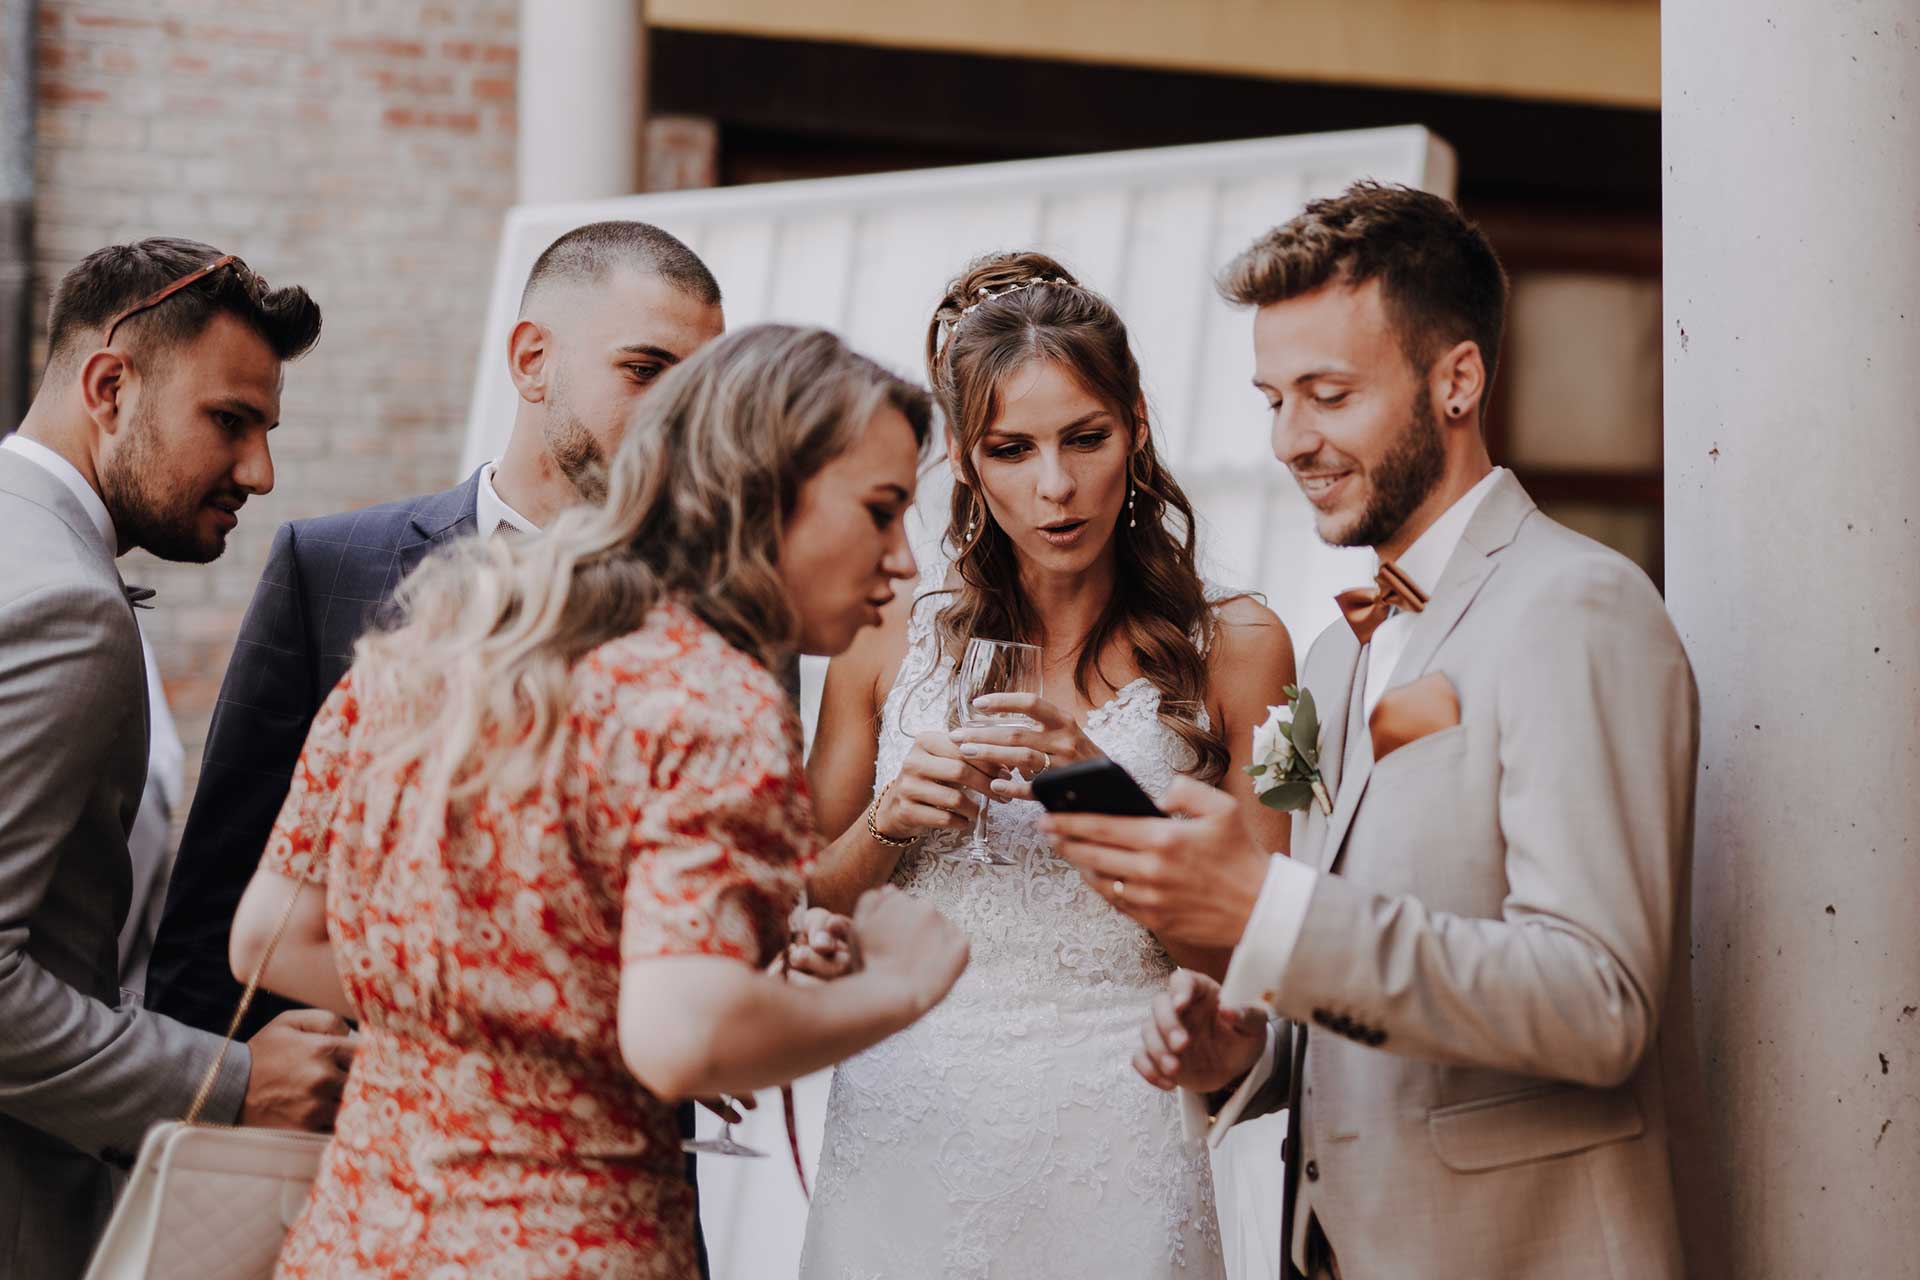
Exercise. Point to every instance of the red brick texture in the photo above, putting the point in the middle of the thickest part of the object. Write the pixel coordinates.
(363, 148)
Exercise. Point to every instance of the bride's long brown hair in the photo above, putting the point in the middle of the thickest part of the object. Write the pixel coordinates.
(1005, 311)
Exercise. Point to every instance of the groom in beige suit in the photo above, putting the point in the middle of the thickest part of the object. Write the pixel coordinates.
(1476, 962)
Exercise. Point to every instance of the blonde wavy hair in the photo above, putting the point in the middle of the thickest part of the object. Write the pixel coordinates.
(467, 681)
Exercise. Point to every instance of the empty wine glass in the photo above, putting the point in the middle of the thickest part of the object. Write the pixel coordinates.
(992, 666)
(724, 1145)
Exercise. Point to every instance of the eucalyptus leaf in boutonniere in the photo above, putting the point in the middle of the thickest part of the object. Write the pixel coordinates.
(1286, 755)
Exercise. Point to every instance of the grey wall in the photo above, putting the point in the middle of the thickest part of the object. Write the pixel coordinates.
(1792, 251)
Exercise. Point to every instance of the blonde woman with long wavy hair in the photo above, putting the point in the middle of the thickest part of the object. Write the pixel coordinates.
(561, 822)
(1003, 1136)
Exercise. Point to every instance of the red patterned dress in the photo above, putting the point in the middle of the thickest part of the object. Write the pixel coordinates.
(489, 1126)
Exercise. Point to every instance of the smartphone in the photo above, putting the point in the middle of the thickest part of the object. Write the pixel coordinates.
(1093, 786)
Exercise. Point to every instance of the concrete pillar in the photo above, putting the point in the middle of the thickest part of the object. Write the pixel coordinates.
(583, 101)
(1792, 299)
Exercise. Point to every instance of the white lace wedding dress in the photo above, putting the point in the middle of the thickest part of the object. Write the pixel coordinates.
(1005, 1134)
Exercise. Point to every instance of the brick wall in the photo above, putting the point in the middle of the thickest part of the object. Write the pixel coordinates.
(362, 148)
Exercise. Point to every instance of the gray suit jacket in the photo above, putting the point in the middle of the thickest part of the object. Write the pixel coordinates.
(81, 1074)
(1493, 1067)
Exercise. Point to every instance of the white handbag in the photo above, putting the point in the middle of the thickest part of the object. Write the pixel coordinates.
(206, 1201)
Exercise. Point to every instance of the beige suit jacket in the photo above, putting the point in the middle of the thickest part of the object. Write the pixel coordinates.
(1493, 1065)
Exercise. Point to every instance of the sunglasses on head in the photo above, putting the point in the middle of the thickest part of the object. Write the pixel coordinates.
(159, 296)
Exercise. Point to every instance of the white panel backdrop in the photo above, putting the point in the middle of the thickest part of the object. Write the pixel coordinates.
(868, 257)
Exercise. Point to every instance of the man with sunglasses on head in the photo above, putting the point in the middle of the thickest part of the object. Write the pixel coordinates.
(607, 309)
(149, 430)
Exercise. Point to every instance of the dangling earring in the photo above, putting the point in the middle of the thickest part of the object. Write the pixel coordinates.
(1131, 521)
(973, 518)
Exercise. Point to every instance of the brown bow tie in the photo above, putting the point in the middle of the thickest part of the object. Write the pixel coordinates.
(1367, 607)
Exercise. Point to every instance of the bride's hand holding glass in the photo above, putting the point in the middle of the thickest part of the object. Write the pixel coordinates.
(934, 791)
(1004, 748)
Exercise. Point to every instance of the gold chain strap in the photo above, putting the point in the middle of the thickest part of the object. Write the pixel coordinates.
(239, 1014)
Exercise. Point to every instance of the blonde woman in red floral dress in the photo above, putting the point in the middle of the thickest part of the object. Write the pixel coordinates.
(561, 821)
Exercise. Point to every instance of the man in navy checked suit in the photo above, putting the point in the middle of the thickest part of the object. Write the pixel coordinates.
(607, 309)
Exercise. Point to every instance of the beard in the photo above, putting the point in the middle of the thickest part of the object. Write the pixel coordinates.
(573, 448)
(1402, 480)
(149, 513)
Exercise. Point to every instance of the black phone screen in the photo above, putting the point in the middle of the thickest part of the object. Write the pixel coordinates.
(1093, 786)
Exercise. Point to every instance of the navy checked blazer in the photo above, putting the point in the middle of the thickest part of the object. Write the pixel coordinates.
(324, 580)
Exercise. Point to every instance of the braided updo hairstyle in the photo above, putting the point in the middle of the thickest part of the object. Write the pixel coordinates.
(1003, 312)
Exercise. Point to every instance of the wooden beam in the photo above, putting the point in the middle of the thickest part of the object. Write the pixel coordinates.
(1622, 242)
(1604, 52)
(791, 108)
(1607, 488)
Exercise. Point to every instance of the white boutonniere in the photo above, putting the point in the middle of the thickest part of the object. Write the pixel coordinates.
(1286, 755)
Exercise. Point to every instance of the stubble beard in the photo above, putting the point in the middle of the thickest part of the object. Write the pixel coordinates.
(146, 512)
(574, 450)
(1402, 480)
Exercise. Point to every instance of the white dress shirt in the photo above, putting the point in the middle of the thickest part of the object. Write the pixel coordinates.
(491, 512)
(1267, 944)
(150, 844)
(69, 475)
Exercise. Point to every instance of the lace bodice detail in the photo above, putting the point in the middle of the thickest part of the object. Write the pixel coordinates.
(1005, 1134)
(1008, 911)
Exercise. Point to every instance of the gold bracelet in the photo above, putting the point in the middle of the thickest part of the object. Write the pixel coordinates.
(873, 828)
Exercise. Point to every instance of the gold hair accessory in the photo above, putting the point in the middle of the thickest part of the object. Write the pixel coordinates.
(986, 294)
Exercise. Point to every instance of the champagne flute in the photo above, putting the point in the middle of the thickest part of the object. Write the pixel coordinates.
(724, 1145)
(992, 666)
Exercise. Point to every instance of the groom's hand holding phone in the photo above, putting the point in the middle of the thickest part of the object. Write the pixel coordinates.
(1192, 878)
(1190, 1042)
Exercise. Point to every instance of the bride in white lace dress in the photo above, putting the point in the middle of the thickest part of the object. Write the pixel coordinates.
(1004, 1135)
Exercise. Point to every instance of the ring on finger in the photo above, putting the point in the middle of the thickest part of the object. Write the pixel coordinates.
(1119, 889)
